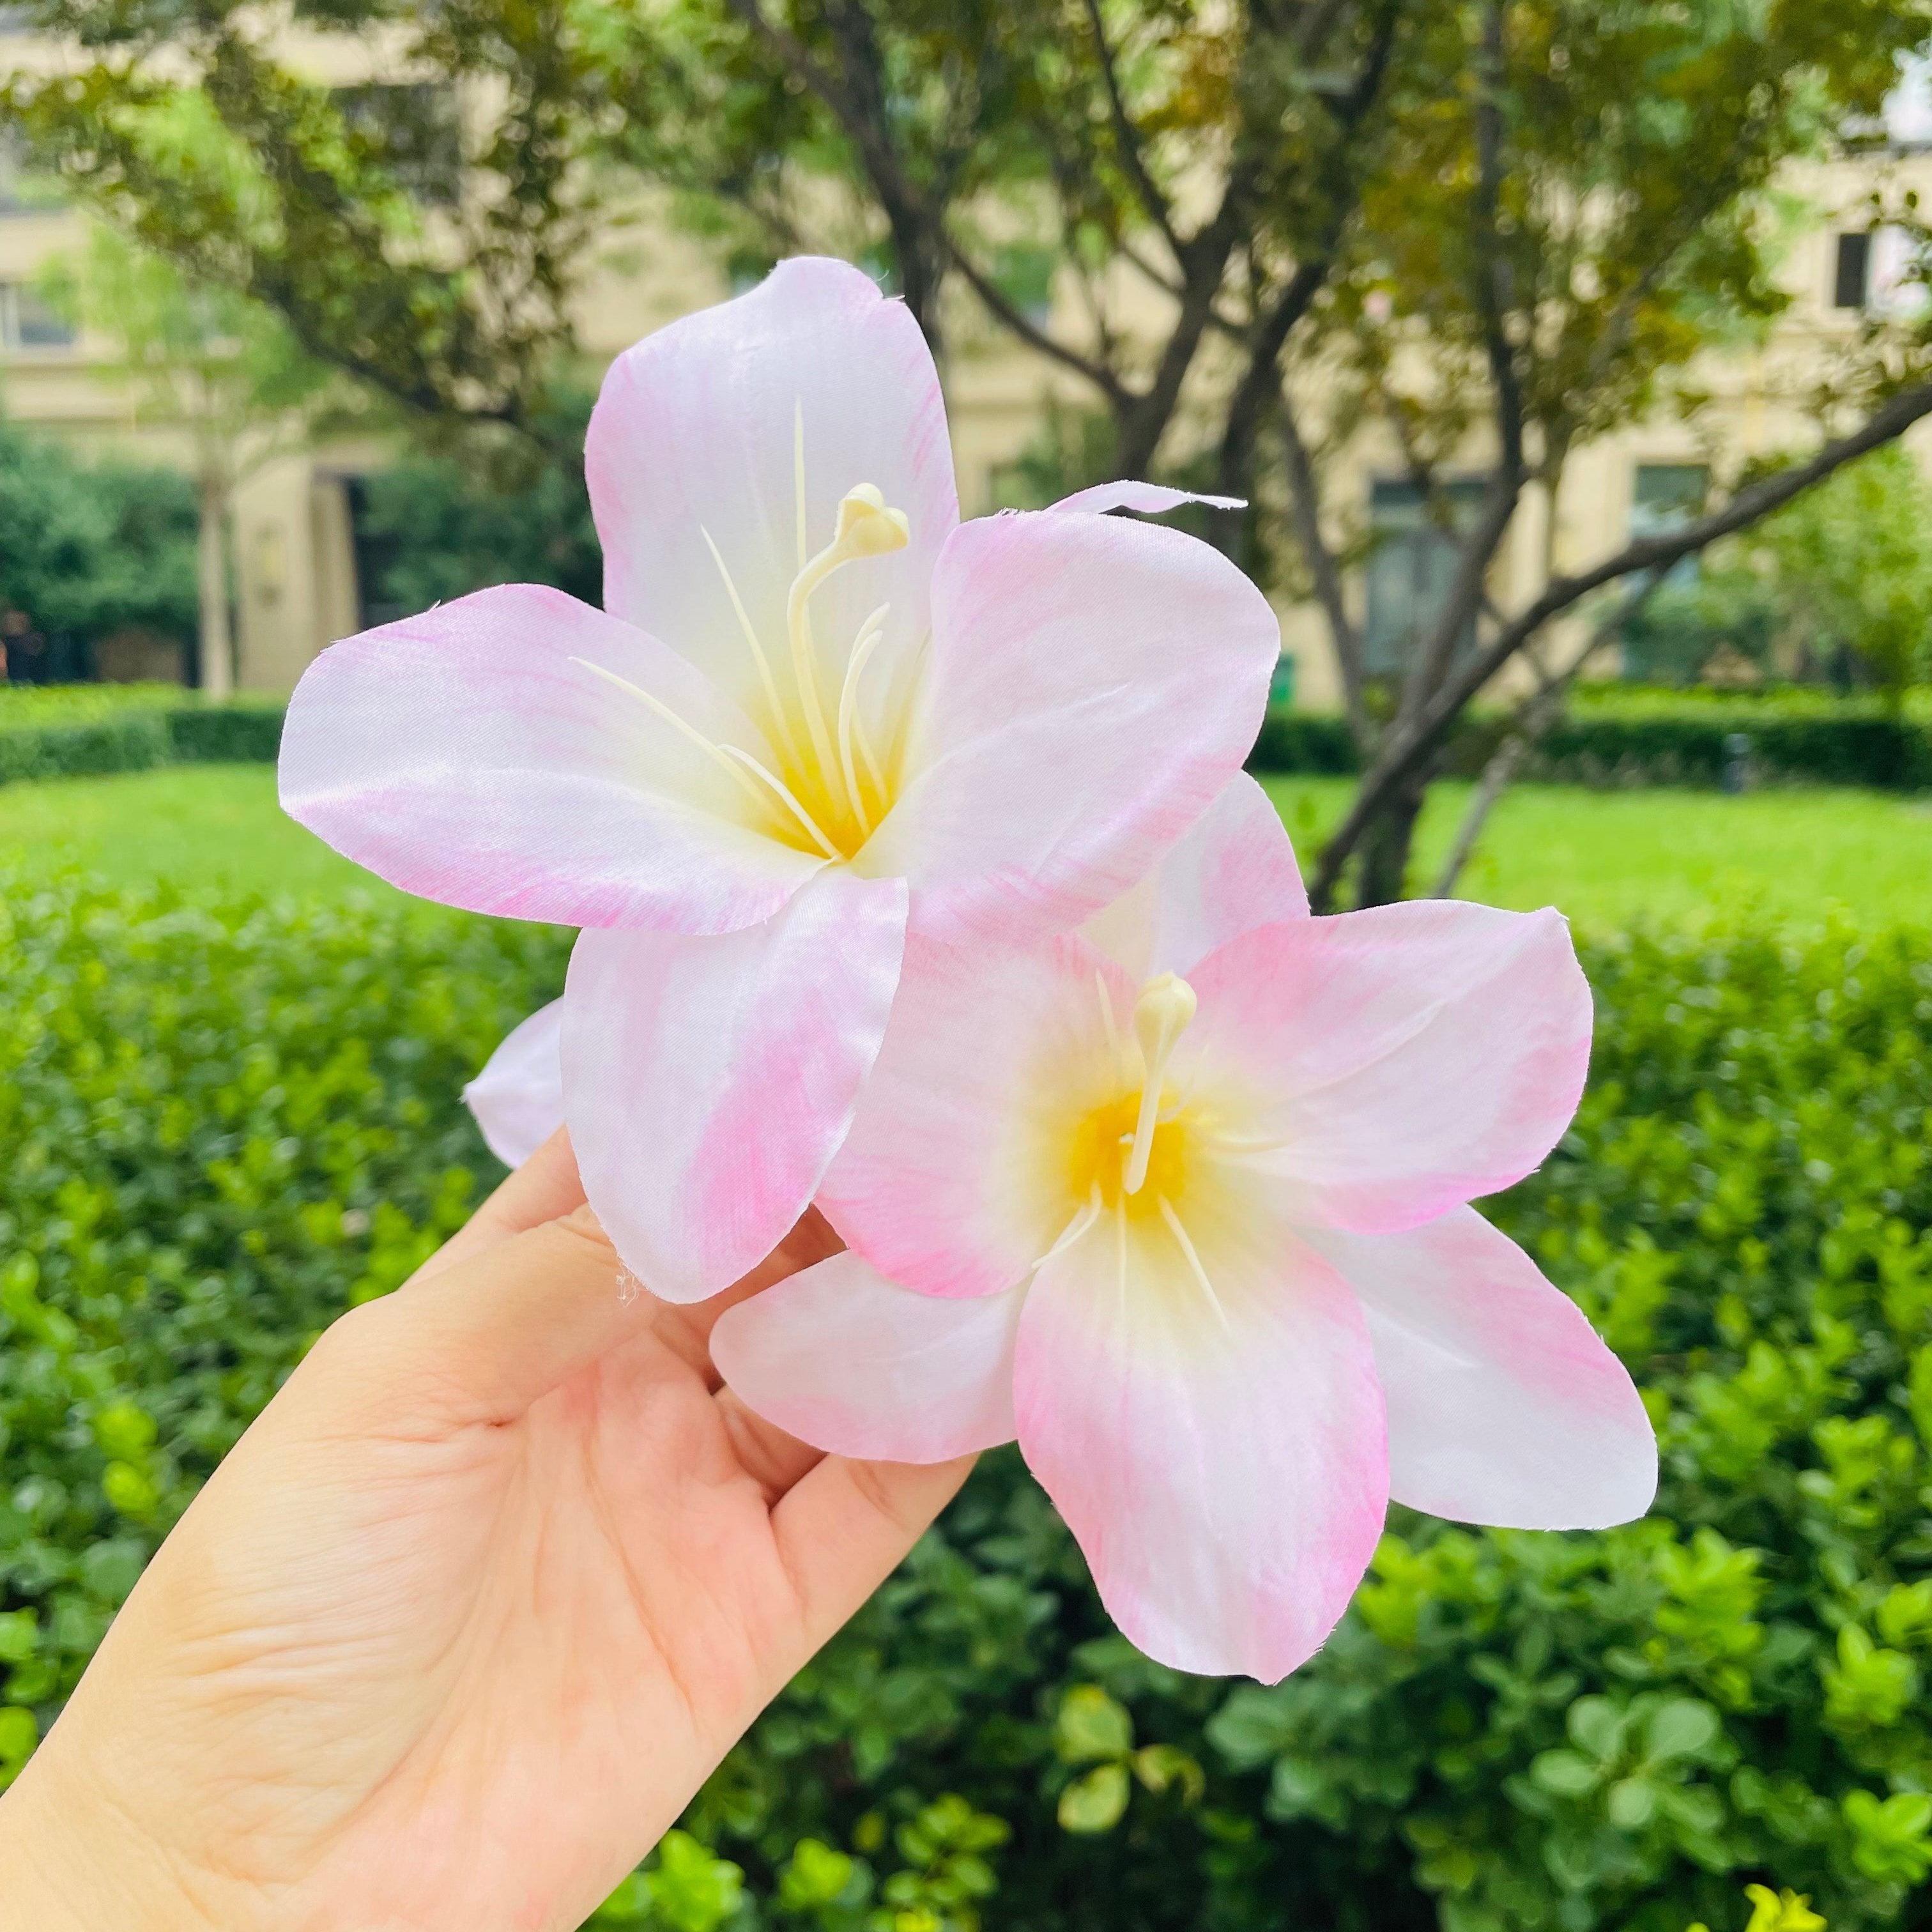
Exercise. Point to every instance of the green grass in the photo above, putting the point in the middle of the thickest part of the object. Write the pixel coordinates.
(191, 825)
(1605, 858)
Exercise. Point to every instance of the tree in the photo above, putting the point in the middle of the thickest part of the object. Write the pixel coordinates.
(1853, 562)
(214, 364)
(1491, 231)
(91, 550)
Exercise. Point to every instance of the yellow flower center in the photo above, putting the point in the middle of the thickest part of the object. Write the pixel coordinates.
(831, 786)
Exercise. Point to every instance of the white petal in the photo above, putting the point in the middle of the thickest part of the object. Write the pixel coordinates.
(1504, 1406)
(517, 1099)
(840, 1358)
(709, 1082)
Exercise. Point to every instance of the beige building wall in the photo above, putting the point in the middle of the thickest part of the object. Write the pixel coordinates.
(292, 551)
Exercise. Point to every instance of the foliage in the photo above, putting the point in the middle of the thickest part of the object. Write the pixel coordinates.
(1854, 558)
(442, 528)
(225, 1123)
(93, 549)
(1728, 607)
(73, 731)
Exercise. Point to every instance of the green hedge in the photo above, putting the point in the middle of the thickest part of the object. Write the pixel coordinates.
(1620, 737)
(223, 1125)
(61, 731)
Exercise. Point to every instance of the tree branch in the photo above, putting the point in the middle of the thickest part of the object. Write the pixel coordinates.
(1305, 506)
(1408, 746)
(1128, 137)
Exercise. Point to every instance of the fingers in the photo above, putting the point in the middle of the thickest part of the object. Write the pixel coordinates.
(845, 1527)
(545, 1188)
(482, 1338)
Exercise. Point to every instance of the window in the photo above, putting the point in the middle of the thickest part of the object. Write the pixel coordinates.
(375, 552)
(1851, 280)
(413, 128)
(26, 322)
(1410, 568)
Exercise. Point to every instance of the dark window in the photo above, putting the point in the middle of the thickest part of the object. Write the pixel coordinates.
(376, 553)
(1410, 566)
(1851, 280)
(26, 322)
(413, 128)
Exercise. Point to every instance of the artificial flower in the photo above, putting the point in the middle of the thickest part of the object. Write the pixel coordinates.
(817, 713)
(1180, 1202)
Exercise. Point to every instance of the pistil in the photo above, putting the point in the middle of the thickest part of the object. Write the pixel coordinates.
(1162, 1015)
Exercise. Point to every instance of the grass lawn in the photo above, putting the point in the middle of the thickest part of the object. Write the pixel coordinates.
(192, 825)
(1606, 858)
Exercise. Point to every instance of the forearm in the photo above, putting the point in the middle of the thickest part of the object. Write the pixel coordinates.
(71, 1861)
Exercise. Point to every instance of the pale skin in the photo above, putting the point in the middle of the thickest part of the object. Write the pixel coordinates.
(465, 1619)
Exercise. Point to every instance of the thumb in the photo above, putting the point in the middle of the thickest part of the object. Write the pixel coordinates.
(483, 1339)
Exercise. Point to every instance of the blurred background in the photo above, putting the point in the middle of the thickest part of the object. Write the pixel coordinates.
(1575, 364)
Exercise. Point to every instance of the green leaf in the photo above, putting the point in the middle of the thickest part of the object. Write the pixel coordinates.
(1565, 1774)
(1680, 1728)
(1089, 1725)
(1093, 1804)
(1596, 1727)
(1157, 1766)
(1632, 1804)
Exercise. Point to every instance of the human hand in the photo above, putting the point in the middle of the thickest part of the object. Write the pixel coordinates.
(467, 1616)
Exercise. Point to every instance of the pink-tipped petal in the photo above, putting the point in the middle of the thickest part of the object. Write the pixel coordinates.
(1504, 1407)
(467, 756)
(951, 1182)
(1400, 1061)
(1224, 1472)
(1235, 870)
(708, 1082)
(1094, 683)
(1145, 499)
(517, 1099)
(698, 430)
(842, 1359)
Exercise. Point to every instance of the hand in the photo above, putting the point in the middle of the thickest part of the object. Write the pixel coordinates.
(466, 1618)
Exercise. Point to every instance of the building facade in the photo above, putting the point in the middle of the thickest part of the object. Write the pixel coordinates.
(300, 557)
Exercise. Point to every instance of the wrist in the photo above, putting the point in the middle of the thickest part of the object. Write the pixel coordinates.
(75, 1861)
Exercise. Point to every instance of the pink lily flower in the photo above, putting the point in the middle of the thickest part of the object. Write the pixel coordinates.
(817, 713)
(1180, 1202)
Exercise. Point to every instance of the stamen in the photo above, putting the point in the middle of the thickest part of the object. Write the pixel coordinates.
(798, 476)
(1107, 1019)
(696, 736)
(742, 766)
(1121, 1246)
(1083, 1220)
(868, 639)
(1187, 1248)
(1161, 1015)
(758, 657)
(777, 785)
(866, 528)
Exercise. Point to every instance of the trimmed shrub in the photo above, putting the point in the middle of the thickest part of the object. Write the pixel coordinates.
(224, 1124)
(59, 731)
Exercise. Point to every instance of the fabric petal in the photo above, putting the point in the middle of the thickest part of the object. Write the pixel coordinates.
(1094, 683)
(954, 1181)
(468, 756)
(1224, 1470)
(1395, 1062)
(1235, 870)
(517, 1099)
(842, 1359)
(1146, 499)
(698, 431)
(708, 1082)
(1504, 1406)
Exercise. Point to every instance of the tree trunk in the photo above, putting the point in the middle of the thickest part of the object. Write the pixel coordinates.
(1381, 869)
(218, 653)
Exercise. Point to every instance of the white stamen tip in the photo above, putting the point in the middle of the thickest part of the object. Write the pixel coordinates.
(1162, 1015)
(867, 527)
